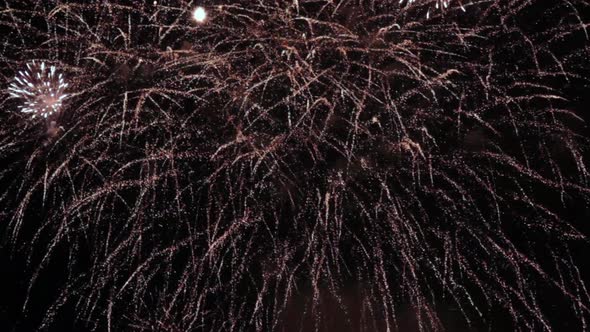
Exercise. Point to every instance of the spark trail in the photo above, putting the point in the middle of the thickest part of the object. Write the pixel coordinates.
(297, 165)
(437, 4)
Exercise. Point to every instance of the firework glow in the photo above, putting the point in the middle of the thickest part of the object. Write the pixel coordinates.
(41, 89)
(305, 165)
(200, 15)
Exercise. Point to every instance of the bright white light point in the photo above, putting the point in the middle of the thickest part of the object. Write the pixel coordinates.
(200, 15)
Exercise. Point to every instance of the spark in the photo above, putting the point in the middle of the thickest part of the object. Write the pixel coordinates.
(200, 14)
(438, 4)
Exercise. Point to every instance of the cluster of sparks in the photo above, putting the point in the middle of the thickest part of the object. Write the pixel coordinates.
(294, 166)
(438, 5)
(41, 89)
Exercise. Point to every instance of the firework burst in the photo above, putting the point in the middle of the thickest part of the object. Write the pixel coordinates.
(296, 166)
(41, 89)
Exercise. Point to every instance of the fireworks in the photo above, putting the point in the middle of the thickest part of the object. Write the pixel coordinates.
(296, 165)
(199, 15)
(438, 4)
(41, 89)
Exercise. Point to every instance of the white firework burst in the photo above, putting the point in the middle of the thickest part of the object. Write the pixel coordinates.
(41, 88)
(438, 4)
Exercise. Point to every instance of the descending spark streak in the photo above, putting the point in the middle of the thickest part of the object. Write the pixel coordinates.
(41, 89)
(438, 4)
(280, 170)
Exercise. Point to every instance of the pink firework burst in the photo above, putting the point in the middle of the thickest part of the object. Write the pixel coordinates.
(41, 88)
